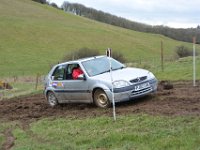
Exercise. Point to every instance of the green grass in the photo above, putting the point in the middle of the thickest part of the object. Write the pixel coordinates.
(180, 69)
(35, 36)
(128, 132)
(20, 89)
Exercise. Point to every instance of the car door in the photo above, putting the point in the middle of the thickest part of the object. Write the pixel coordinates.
(57, 83)
(75, 90)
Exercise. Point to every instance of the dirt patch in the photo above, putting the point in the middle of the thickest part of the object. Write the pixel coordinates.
(182, 99)
(9, 143)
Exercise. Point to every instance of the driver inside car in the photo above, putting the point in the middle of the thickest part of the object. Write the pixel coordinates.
(77, 72)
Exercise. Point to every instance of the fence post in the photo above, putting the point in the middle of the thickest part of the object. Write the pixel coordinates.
(162, 64)
(194, 62)
(15, 78)
(2, 95)
(36, 82)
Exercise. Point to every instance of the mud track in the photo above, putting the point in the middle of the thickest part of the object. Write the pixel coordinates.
(9, 143)
(183, 99)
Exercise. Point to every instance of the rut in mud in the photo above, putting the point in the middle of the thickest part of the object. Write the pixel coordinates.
(9, 143)
(182, 99)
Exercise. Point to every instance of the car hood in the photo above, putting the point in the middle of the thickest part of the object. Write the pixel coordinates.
(126, 74)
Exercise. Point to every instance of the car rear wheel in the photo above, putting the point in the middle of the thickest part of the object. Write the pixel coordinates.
(52, 100)
(101, 99)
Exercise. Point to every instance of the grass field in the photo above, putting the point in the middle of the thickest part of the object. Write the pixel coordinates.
(180, 69)
(35, 36)
(24, 85)
(128, 132)
(20, 89)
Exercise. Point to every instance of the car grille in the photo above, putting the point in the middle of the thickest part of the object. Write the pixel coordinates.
(139, 79)
(141, 91)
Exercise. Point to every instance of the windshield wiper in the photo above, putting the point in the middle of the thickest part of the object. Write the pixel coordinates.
(104, 72)
(122, 67)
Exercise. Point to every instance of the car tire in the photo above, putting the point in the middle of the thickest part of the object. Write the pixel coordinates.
(52, 100)
(101, 99)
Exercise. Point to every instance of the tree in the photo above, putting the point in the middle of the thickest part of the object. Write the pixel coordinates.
(65, 6)
(40, 1)
(54, 5)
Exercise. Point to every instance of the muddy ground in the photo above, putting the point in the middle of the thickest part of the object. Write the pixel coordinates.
(182, 99)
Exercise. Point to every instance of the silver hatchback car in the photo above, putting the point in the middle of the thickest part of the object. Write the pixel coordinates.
(95, 84)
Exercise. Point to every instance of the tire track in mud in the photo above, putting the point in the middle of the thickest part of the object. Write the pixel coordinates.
(182, 99)
(10, 139)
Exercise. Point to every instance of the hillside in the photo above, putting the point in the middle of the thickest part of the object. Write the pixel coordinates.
(35, 36)
(180, 34)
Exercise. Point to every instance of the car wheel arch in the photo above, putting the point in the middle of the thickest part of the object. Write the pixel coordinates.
(94, 90)
(106, 104)
(52, 102)
(49, 91)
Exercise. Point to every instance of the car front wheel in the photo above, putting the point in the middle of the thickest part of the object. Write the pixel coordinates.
(101, 99)
(52, 100)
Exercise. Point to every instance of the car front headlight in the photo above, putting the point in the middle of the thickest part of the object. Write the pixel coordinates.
(120, 84)
(151, 75)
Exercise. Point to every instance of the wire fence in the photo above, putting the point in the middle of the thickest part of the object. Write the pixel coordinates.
(21, 85)
(28, 84)
(152, 62)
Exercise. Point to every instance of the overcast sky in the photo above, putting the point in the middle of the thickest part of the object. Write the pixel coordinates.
(176, 13)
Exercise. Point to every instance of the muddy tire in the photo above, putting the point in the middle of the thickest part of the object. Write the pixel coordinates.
(101, 99)
(52, 100)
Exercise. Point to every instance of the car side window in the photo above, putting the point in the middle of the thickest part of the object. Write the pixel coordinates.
(59, 73)
(69, 71)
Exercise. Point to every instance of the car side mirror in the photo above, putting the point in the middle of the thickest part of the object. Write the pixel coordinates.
(81, 77)
(52, 77)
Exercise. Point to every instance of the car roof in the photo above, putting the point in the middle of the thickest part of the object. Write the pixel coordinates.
(81, 60)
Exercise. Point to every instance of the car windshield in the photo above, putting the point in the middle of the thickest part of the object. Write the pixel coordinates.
(101, 65)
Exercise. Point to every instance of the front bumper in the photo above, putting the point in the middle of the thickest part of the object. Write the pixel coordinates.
(131, 92)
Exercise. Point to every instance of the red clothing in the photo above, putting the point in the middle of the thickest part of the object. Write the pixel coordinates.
(76, 73)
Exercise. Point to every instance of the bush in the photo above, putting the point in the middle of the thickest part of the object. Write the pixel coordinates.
(87, 52)
(80, 53)
(119, 56)
(183, 51)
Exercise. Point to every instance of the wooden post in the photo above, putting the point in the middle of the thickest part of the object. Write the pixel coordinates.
(162, 63)
(194, 62)
(36, 81)
(140, 60)
(1, 95)
(15, 78)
